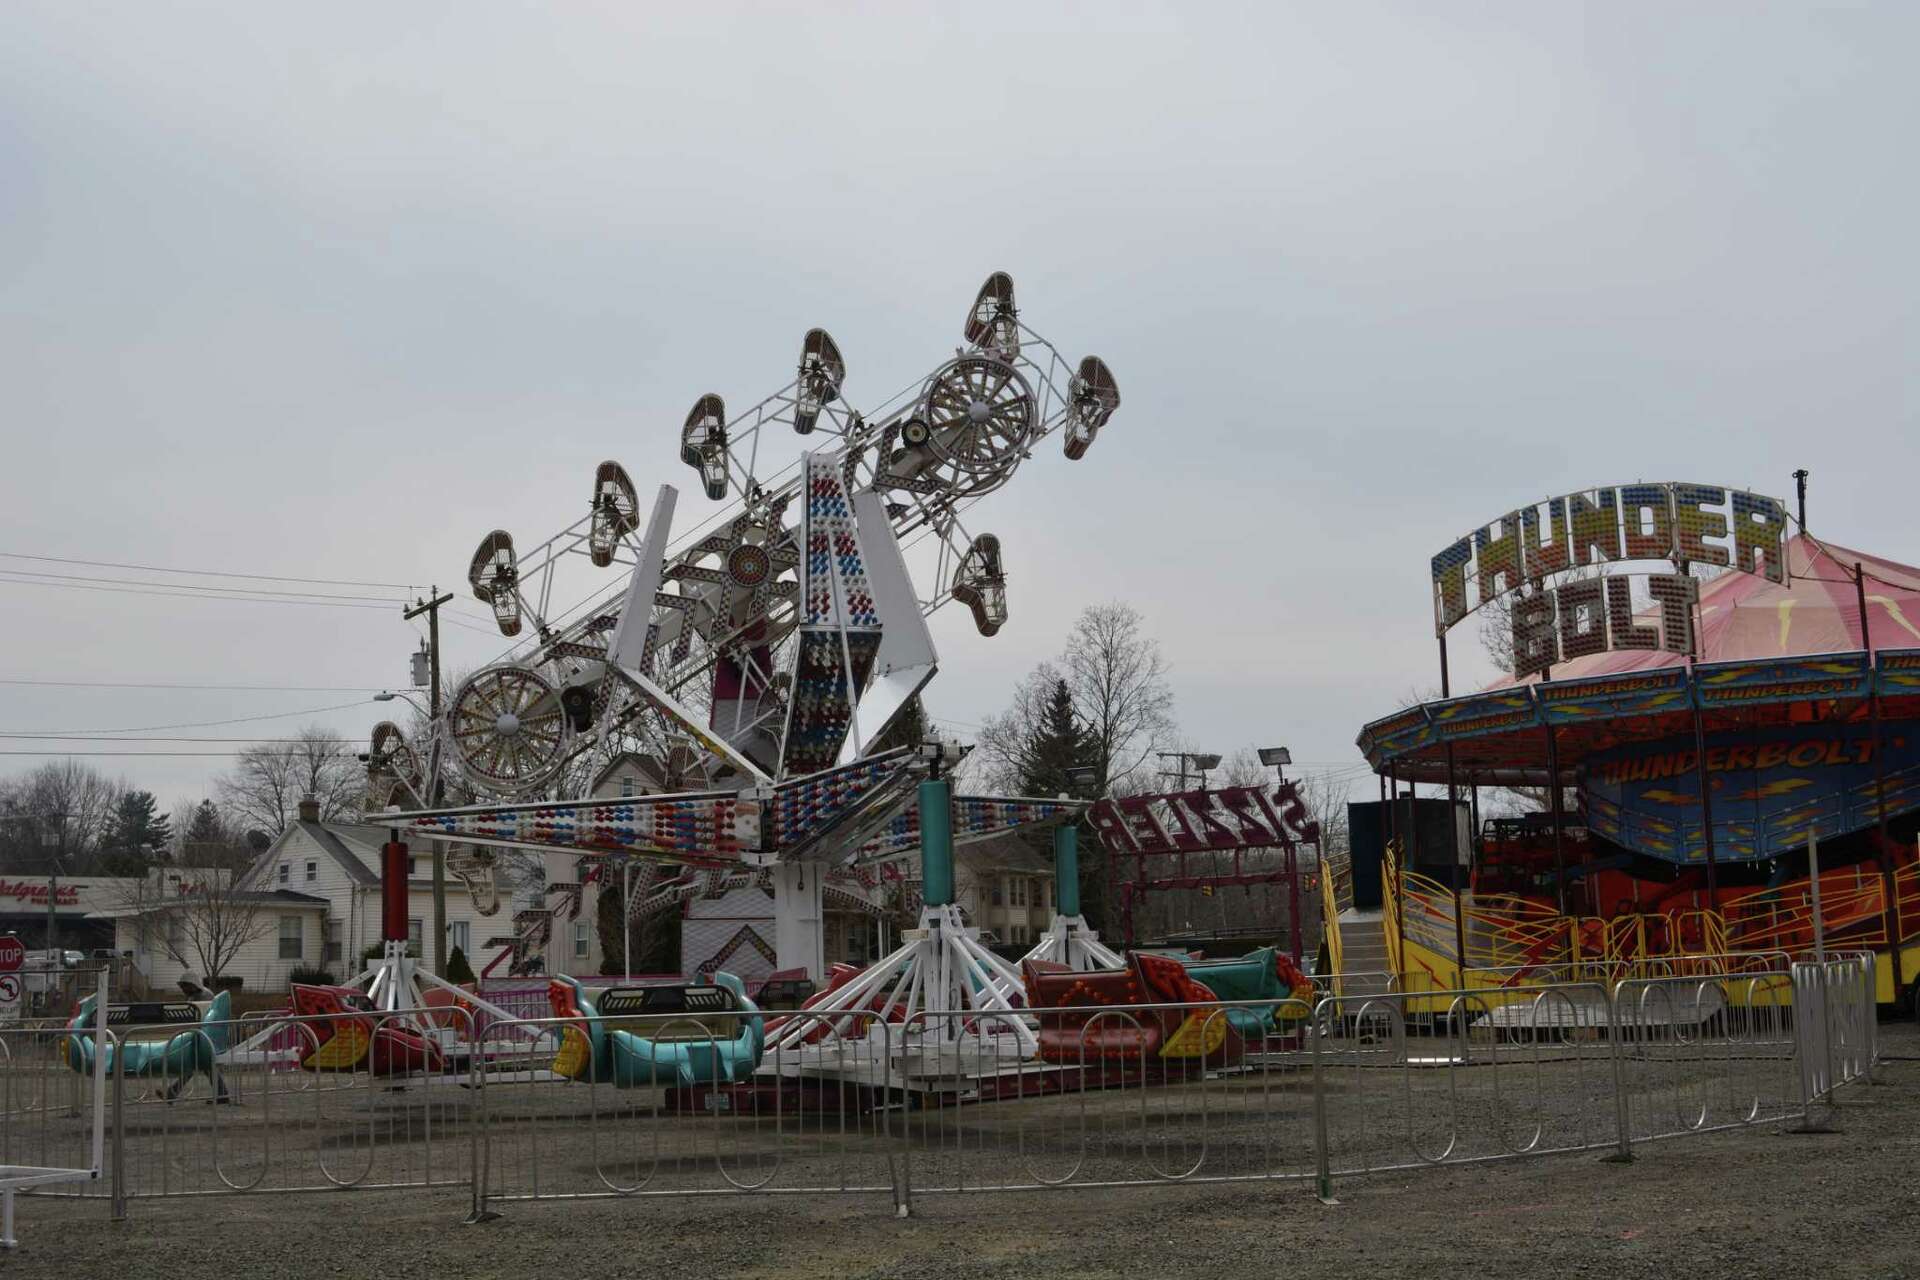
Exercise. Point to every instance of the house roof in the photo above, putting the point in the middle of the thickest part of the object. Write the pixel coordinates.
(283, 898)
(334, 838)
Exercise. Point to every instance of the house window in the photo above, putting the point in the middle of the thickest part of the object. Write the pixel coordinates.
(626, 788)
(996, 893)
(581, 940)
(313, 872)
(292, 937)
(459, 937)
(416, 933)
(413, 867)
(283, 873)
(176, 932)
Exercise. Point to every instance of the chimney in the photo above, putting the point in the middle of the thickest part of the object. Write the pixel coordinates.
(309, 809)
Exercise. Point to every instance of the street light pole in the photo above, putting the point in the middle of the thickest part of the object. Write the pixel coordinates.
(431, 607)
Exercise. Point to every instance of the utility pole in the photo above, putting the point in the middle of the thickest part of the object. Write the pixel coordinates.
(53, 896)
(431, 607)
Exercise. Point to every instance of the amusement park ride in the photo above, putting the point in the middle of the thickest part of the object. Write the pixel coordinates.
(769, 651)
(1743, 753)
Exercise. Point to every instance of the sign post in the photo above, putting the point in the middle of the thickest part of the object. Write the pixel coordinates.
(13, 953)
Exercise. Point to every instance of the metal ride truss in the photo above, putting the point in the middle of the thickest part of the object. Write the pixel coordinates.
(745, 632)
(769, 649)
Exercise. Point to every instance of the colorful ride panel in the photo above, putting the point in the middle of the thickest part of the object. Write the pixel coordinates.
(717, 1037)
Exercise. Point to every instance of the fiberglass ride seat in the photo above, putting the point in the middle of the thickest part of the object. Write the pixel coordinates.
(693, 1034)
(178, 1057)
(1106, 1014)
(348, 1031)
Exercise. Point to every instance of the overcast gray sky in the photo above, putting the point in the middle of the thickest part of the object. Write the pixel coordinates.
(332, 290)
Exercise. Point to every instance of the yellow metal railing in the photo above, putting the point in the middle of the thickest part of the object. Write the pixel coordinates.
(1511, 940)
(1330, 915)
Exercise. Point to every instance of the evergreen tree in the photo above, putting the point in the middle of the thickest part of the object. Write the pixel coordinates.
(210, 842)
(137, 835)
(1057, 744)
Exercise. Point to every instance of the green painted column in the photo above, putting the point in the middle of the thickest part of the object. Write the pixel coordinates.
(936, 842)
(1066, 869)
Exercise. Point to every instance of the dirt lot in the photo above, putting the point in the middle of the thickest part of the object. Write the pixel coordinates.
(1754, 1202)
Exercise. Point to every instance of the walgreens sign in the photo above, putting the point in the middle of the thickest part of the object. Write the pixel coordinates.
(36, 891)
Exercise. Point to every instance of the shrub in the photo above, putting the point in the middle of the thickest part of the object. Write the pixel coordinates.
(459, 971)
(312, 975)
(375, 951)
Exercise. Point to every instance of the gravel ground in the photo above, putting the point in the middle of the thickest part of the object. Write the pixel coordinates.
(1750, 1202)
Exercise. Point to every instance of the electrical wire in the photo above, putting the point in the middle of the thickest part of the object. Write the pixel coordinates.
(211, 591)
(186, 595)
(224, 755)
(274, 688)
(209, 573)
(192, 724)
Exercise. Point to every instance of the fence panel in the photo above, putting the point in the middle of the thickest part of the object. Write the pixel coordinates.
(1518, 1071)
(1135, 1094)
(654, 1111)
(951, 1102)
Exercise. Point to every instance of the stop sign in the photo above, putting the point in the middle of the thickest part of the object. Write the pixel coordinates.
(12, 954)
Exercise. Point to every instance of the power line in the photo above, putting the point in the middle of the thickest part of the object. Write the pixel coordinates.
(212, 591)
(210, 573)
(192, 724)
(129, 684)
(224, 755)
(83, 737)
(186, 595)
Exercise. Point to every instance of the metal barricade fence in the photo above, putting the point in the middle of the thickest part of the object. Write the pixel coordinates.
(222, 1107)
(655, 1111)
(1836, 1029)
(949, 1102)
(1513, 1072)
(1137, 1094)
(1706, 1052)
(46, 1103)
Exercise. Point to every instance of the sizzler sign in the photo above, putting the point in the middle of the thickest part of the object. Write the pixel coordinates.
(1205, 821)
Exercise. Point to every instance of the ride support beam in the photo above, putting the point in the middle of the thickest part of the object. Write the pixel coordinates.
(393, 889)
(1066, 869)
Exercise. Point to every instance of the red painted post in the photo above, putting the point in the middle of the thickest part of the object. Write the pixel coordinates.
(393, 891)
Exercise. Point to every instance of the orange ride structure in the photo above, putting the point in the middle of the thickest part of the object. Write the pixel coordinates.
(1729, 748)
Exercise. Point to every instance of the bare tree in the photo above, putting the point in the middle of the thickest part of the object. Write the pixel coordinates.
(1117, 678)
(62, 809)
(200, 916)
(265, 787)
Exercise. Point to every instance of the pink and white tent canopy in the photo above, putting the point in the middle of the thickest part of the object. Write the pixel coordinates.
(1744, 617)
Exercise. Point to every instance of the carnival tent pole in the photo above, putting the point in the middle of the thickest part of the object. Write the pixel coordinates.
(1889, 916)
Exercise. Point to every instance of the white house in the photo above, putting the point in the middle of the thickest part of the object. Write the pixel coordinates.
(315, 903)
